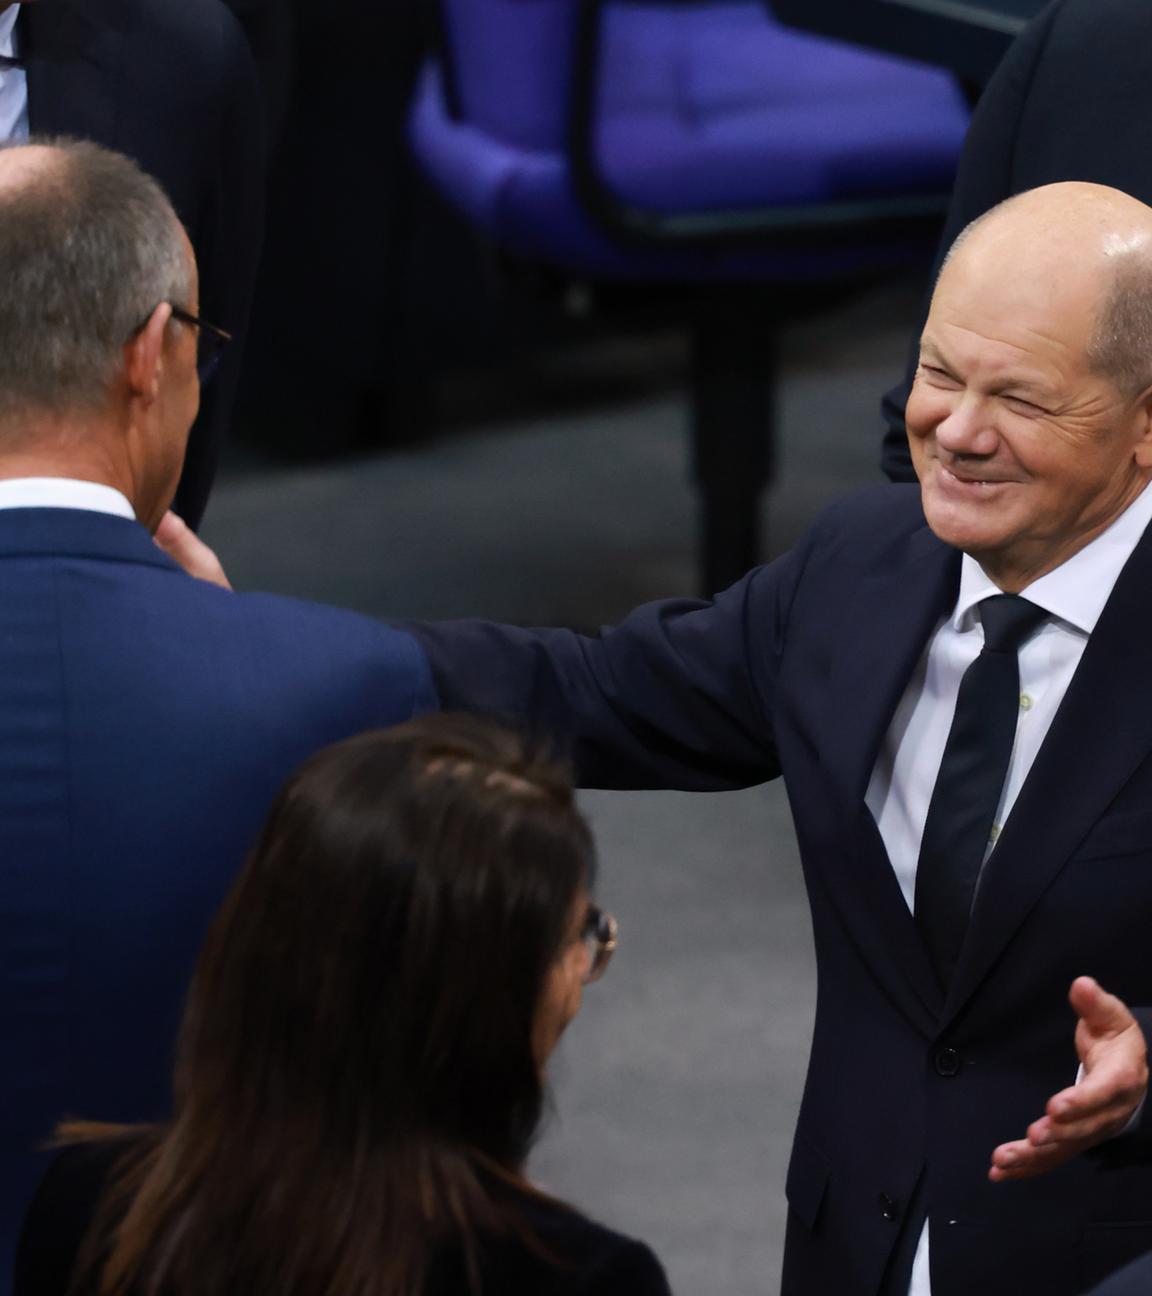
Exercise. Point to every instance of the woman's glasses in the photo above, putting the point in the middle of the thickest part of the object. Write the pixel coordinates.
(599, 934)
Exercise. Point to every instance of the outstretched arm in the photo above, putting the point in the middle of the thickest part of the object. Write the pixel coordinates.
(678, 695)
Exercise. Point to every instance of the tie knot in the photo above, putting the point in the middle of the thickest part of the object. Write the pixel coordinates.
(1008, 620)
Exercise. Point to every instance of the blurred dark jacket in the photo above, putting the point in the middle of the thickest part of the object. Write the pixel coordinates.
(595, 1260)
(1070, 101)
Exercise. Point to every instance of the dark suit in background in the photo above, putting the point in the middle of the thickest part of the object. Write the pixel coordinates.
(597, 1261)
(170, 83)
(1072, 100)
(797, 671)
(146, 720)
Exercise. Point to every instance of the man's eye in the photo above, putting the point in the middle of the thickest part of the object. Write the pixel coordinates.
(938, 375)
(1023, 406)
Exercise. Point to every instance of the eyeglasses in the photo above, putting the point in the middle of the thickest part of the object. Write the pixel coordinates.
(599, 935)
(210, 342)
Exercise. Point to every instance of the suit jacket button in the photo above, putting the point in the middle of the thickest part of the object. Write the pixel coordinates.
(948, 1062)
(889, 1209)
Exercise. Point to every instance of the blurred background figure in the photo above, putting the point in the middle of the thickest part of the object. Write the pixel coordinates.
(172, 85)
(362, 1063)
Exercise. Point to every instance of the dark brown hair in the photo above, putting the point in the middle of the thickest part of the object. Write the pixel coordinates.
(356, 1085)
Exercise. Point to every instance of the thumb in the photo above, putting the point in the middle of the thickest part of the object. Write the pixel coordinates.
(1101, 1014)
(186, 549)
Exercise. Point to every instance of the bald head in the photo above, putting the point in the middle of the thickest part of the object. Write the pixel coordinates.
(88, 246)
(1089, 249)
(1030, 419)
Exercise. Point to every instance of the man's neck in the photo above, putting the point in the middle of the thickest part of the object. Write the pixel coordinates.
(87, 467)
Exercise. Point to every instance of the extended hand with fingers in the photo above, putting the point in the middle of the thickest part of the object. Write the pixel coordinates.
(1114, 1057)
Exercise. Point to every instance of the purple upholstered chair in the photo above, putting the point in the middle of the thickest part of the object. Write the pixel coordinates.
(696, 143)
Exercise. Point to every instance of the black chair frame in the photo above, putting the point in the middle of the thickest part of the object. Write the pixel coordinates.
(733, 328)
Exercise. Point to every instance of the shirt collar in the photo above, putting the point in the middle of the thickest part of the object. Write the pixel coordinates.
(1076, 591)
(7, 30)
(66, 493)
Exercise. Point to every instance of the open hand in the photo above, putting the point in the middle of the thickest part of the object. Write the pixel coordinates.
(185, 547)
(1114, 1055)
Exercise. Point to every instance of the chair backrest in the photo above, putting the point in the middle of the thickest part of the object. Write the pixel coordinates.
(510, 64)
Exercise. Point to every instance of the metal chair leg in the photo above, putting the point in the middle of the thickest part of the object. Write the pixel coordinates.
(732, 435)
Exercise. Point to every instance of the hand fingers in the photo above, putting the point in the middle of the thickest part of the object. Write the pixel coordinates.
(1102, 1013)
(1022, 1160)
(1101, 1123)
(1111, 1090)
(184, 547)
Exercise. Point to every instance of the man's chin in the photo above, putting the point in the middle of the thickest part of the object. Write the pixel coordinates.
(963, 526)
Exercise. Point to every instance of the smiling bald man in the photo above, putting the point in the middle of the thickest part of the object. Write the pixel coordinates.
(954, 681)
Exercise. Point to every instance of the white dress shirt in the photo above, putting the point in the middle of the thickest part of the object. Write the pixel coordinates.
(65, 493)
(13, 84)
(905, 774)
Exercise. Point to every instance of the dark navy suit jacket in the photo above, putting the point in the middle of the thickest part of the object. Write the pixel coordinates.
(146, 720)
(796, 671)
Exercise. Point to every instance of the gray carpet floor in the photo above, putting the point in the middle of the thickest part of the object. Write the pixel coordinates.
(677, 1088)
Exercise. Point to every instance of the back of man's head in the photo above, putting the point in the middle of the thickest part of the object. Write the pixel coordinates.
(89, 245)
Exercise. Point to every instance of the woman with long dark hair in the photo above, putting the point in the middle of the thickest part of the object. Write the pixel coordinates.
(360, 1071)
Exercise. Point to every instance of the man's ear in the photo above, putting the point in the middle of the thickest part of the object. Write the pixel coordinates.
(144, 355)
(1143, 448)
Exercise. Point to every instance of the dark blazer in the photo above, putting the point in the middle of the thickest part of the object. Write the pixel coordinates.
(796, 671)
(170, 83)
(1071, 101)
(597, 1262)
(146, 720)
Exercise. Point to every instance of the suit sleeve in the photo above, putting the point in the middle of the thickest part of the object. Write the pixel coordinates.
(985, 178)
(679, 695)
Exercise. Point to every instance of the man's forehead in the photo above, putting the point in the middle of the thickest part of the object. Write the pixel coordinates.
(1021, 303)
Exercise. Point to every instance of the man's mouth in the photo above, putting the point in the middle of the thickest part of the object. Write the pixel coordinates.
(970, 479)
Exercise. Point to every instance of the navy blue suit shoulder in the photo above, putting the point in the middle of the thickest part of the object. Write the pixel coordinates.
(147, 720)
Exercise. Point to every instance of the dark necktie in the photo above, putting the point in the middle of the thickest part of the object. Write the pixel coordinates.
(971, 779)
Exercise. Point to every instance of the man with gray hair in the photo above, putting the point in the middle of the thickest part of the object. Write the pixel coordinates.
(146, 718)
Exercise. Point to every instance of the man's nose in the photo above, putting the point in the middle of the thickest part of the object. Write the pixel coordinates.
(969, 427)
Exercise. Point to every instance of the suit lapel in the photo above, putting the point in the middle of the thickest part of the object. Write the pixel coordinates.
(1101, 733)
(73, 54)
(886, 628)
